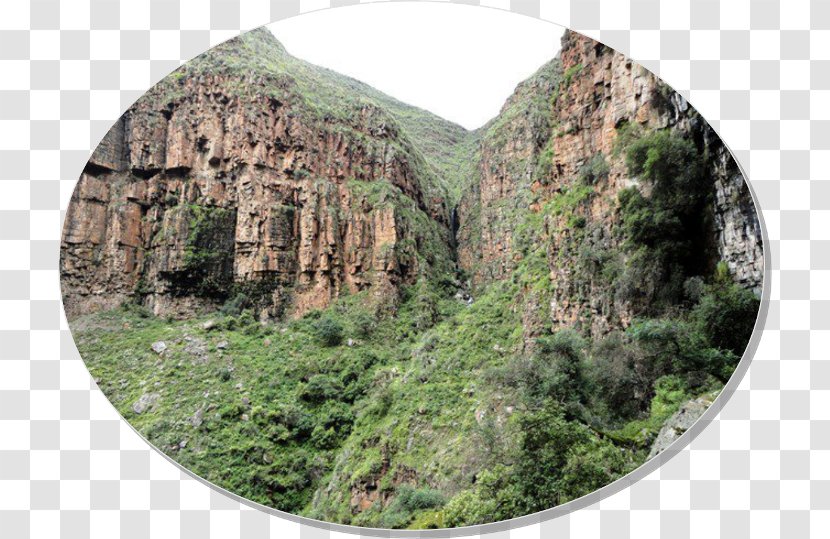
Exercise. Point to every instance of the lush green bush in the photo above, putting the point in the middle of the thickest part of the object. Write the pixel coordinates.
(558, 369)
(467, 508)
(329, 331)
(619, 383)
(407, 502)
(412, 499)
(726, 313)
(558, 460)
(665, 231)
(320, 388)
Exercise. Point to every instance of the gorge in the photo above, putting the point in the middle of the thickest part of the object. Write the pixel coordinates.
(372, 316)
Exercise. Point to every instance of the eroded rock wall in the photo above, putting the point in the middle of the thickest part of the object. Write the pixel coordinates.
(209, 187)
(591, 94)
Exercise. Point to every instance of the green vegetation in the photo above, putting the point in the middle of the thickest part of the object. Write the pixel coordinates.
(439, 405)
(665, 231)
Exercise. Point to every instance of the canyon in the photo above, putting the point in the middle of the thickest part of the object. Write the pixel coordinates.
(352, 309)
(210, 185)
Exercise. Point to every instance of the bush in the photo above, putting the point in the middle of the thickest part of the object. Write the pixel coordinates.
(329, 331)
(407, 502)
(726, 314)
(235, 305)
(617, 376)
(546, 440)
(320, 388)
(412, 499)
(324, 438)
(559, 368)
(669, 393)
(363, 323)
(595, 170)
(425, 309)
(665, 232)
(467, 508)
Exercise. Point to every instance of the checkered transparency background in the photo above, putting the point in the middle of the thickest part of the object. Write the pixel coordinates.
(759, 71)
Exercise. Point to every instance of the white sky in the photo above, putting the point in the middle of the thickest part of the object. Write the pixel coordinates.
(460, 62)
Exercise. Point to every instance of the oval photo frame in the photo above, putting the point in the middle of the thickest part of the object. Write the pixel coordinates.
(616, 486)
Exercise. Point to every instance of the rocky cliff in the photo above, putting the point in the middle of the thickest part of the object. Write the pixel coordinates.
(250, 172)
(551, 168)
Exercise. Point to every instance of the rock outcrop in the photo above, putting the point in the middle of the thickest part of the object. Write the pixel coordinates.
(678, 424)
(226, 181)
(554, 150)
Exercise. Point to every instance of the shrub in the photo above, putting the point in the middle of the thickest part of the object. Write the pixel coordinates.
(320, 388)
(425, 308)
(590, 466)
(665, 232)
(546, 440)
(726, 314)
(594, 170)
(329, 331)
(666, 345)
(363, 323)
(467, 508)
(324, 438)
(669, 393)
(235, 305)
(617, 376)
(407, 502)
(558, 369)
(412, 499)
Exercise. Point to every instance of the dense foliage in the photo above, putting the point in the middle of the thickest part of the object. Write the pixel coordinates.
(279, 412)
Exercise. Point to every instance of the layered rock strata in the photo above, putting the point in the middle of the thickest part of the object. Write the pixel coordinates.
(210, 186)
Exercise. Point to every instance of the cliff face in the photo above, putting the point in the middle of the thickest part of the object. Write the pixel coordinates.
(250, 172)
(226, 182)
(563, 171)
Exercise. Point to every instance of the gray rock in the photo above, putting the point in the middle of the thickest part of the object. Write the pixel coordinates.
(209, 325)
(197, 418)
(676, 425)
(159, 347)
(195, 347)
(221, 345)
(145, 402)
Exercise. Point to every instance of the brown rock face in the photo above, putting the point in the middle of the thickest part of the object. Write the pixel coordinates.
(210, 186)
(558, 127)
